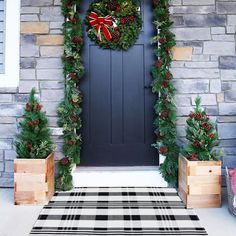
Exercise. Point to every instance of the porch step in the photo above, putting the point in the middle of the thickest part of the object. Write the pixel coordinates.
(118, 176)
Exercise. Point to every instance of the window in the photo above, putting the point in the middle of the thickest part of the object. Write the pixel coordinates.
(9, 42)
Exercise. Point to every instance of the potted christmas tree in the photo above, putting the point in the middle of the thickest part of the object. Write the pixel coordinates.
(199, 165)
(34, 166)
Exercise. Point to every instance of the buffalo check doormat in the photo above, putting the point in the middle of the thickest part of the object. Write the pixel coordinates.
(117, 211)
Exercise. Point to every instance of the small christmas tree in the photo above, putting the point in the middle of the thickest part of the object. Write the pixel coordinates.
(202, 136)
(34, 139)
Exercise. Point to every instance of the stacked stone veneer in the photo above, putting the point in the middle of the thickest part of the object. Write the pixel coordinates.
(41, 67)
(205, 64)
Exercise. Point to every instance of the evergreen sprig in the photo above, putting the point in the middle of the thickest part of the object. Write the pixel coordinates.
(34, 140)
(202, 136)
(163, 87)
(69, 109)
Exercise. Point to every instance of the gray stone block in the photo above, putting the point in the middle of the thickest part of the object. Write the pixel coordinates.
(51, 14)
(228, 74)
(185, 73)
(199, 2)
(50, 74)
(212, 110)
(226, 38)
(226, 7)
(10, 155)
(5, 144)
(9, 166)
(49, 63)
(192, 33)
(50, 108)
(1, 166)
(5, 97)
(51, 51)
(227, 62)
(219, 48)
(56, 25)
(29, 10)
(226, 86)
(51, 85)
(27, 74)
(177, 20)
(1, 155)
(230, 96)
(210, 64)
(227, 131)
(183, 100)
(29, 17)
(231, 19)
(21, 98)
(25, 86)
(207, 99)
(192, 86)
(42, 3)
(29, 51)
(11, 110)
(200, 57)
(192, 9)
(215, 86)
(204, 20)
(7, 130)
(52, 95)
(227, 108)
(217, 30)
(27, 63)
(7, 120)
(7, 182)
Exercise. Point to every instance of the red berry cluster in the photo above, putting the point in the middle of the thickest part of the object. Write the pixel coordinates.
(33, 123)
(127, 20)
(163, 150)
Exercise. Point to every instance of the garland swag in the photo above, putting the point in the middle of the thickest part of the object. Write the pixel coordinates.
(163, 87)
(69, 109)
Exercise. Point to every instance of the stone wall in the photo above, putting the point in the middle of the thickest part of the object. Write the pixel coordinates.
(41, 67)
(205, 64)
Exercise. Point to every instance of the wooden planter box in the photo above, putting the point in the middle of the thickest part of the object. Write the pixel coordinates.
(33, 180)
(200, 183)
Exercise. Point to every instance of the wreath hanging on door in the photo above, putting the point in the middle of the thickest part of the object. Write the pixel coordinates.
(114, 24)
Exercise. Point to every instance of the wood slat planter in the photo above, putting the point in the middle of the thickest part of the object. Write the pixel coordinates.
(33, 180)
(200, 183)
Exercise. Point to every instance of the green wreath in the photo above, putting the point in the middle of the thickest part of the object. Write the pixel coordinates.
(114, 24)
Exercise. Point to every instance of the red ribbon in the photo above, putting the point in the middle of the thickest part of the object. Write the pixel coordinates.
(101, 23)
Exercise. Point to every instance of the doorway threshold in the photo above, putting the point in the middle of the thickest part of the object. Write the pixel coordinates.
(118, 177)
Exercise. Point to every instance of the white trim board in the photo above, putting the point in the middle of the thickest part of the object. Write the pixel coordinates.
(10, 79)
(110, 178)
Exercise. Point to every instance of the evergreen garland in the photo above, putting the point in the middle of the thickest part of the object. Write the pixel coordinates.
(69, 109)
(34, 140)
(163, 87)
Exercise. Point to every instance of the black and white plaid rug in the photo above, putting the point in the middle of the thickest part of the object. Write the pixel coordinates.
(117, 211)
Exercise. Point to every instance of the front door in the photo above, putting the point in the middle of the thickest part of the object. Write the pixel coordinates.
(118, 103)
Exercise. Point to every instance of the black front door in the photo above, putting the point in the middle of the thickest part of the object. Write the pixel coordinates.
(117, 101)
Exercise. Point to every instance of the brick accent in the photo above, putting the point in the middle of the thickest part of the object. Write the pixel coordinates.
(50, 40)
(34, 27)
(182, 53)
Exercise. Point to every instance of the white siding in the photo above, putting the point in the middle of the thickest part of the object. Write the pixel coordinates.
(2, 35)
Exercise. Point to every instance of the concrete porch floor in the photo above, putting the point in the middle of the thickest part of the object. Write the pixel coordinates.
(18, 220)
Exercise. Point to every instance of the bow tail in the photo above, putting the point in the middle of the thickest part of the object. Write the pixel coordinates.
(98, 29)
(107, 33)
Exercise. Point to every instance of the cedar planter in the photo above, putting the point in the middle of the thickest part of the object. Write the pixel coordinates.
(200, 183)
(33, 180)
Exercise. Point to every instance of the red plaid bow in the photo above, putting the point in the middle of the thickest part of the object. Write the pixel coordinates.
(101, 23)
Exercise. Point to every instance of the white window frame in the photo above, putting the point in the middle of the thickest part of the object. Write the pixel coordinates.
(10, 77)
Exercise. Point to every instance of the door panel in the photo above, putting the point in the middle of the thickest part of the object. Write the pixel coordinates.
(117, 108)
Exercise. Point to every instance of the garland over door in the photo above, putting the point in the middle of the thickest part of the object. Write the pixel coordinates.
(118, 102)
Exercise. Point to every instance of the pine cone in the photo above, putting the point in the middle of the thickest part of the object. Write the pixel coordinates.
(112, 5)
(115, 35)
(77, 40)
